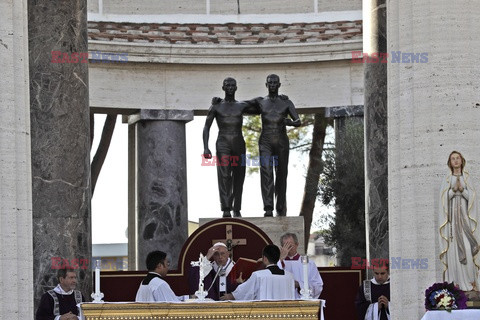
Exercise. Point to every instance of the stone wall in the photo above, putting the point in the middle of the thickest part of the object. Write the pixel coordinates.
(161, 7)
(191, 87)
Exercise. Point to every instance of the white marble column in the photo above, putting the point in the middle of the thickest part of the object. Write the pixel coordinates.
(16, 258)
(433, 108)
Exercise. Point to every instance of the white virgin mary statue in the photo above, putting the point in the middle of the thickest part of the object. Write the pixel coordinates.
(459, 230)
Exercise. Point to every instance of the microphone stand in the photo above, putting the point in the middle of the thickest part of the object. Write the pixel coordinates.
(216, 275)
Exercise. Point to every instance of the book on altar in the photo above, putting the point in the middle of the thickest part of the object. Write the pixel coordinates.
(246, 267)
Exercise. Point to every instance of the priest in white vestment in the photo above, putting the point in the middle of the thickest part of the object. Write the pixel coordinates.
(153, 288)
(269, 284)
(290, 261)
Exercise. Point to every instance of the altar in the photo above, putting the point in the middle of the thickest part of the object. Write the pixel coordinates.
(339, 289)
(291, 309)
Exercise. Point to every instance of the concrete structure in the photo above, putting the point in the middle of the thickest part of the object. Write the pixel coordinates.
(433, 108)
(170, 68)
(16, 252)
(153, 7)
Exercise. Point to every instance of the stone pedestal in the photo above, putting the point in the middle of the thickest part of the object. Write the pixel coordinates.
(376, 144)
(16, 258)
(162, 217)
(275, 228)
(60, 135)
(432, 110)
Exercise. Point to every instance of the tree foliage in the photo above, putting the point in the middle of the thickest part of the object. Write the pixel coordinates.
(342, 186)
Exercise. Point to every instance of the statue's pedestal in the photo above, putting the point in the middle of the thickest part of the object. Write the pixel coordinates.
(274, 227)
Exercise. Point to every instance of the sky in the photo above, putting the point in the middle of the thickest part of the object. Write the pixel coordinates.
(109, 202)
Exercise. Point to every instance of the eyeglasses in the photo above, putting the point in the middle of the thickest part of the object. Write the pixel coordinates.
(166, 263)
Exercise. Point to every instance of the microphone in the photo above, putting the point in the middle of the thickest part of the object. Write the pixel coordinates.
(220, 269)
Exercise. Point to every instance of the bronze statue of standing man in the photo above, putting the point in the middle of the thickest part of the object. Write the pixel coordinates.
(274, 145)
(230, 147)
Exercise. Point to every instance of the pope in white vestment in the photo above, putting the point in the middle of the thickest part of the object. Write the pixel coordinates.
(216, 280)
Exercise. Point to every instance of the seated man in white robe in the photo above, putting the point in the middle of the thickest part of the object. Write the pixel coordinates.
(269, 284)
(153, 288)
(290, 261)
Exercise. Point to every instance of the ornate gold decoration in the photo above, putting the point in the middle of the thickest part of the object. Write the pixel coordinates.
(266, 310)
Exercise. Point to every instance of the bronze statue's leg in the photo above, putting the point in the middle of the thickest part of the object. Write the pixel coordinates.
(281, 172)
(224, 175)
(238, 174)
(266, 173)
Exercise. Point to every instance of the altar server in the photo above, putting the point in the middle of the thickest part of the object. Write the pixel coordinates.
(269, 284)
(373, 298)
(153, 288)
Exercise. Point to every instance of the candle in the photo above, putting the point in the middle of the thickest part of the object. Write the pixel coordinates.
(305, 275)
(97, 278)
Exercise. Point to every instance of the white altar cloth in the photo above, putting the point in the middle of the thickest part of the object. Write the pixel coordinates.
(466, 314)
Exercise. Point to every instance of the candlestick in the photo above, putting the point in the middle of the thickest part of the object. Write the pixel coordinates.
(305, 292)
(97, 295)
(97, 278)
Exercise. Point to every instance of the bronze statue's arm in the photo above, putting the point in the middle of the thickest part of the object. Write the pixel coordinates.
(253, 106)
(216, 100)
(206, 132)
(295, 121)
